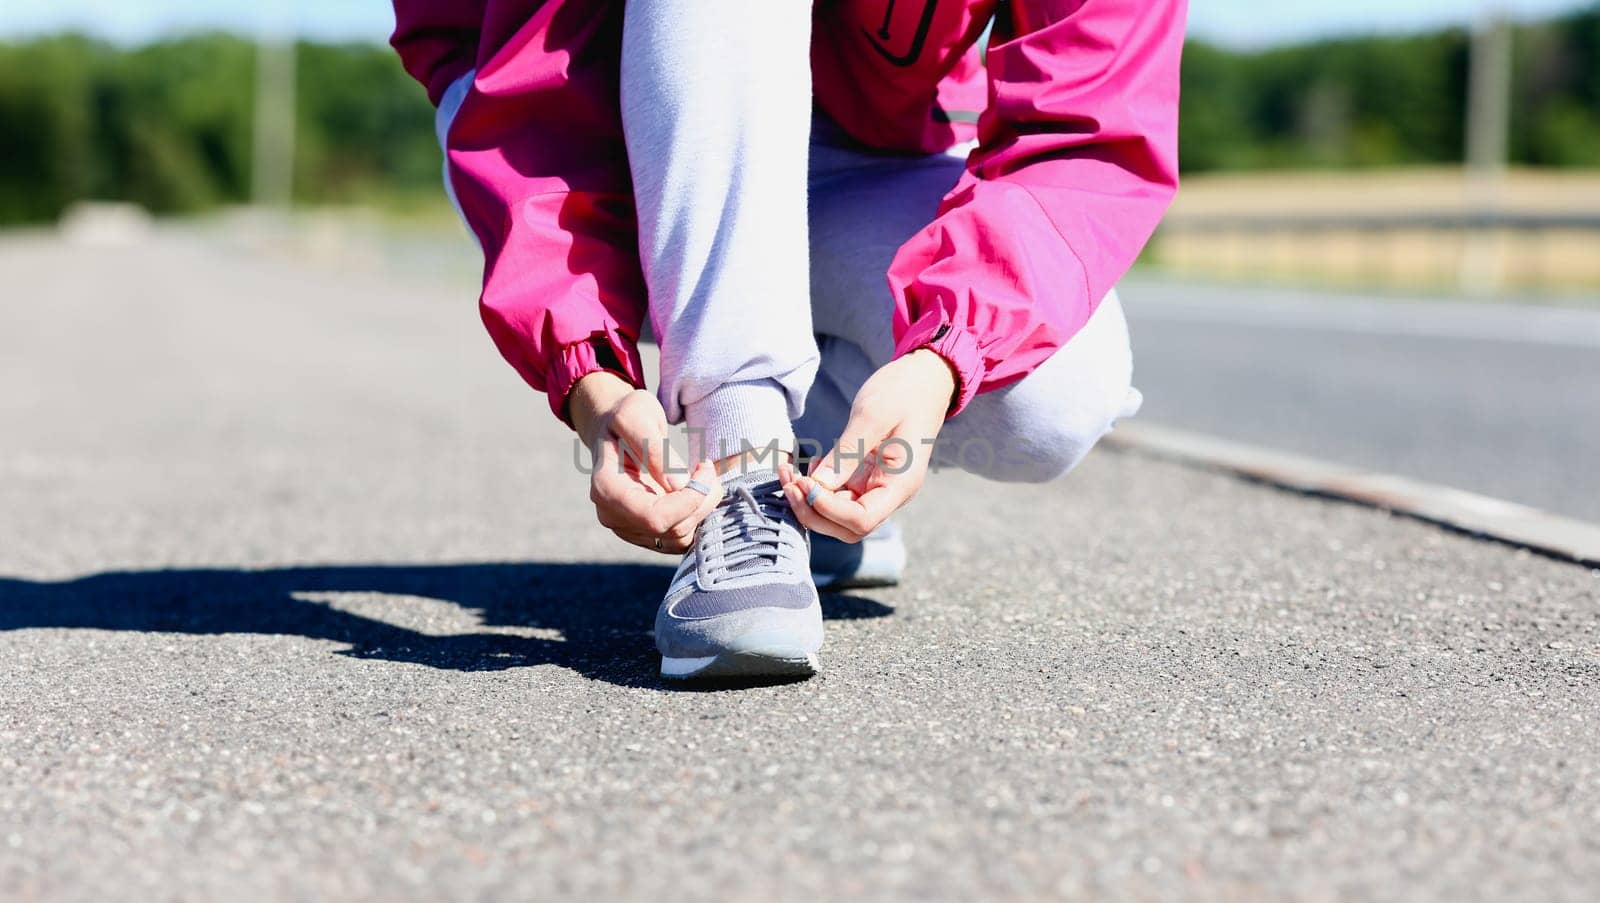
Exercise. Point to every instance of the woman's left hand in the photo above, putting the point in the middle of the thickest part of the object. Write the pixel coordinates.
(880, 461)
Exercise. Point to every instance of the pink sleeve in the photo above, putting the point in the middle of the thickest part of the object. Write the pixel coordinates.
(539, 166)
(437, 40)
(1077, 162)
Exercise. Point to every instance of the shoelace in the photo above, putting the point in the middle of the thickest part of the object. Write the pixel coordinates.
(750, 530)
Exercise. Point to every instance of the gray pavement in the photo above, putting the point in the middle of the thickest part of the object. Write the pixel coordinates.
(1498, 399)
(299, 598)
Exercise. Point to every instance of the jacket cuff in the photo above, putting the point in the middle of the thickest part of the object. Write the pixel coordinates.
(956, 345)
(608, 349)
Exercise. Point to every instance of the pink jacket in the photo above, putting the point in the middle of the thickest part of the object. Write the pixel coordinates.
(1076, 163)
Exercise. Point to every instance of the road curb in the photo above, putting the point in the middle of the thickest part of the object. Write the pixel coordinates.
(1466, 512)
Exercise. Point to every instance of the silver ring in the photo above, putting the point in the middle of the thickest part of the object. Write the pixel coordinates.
(816, 490)
(658, 543)
(699, 487)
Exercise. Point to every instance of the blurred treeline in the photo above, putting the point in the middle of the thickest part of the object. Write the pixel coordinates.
(1388, 101)
(168, 125)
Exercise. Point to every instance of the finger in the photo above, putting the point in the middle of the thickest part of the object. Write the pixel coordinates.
(842, 508)
(634, 537)
(705, 473)
(864, 474)
(861, 435)
(825, 471)
(666, 511)
(673, 544)
(810, 489)
(627, 501)
(681, 538)
(645, 426)
(789, 472)
(656, 456)
(669, 544)
(622, 491)
(879, 503)
(602, 486)
(813, 521)
(816, 523)
(705, 480)
(636, 513)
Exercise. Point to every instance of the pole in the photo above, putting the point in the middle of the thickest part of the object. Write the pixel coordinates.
(1488, 130)
(272, 159)
(1489, 97)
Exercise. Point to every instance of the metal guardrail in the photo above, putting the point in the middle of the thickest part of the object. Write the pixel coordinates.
(1479, 250)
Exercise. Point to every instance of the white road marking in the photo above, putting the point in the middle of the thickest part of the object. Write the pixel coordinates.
(1508, 522)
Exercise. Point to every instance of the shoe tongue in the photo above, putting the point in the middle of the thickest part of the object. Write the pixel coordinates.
(758, 481)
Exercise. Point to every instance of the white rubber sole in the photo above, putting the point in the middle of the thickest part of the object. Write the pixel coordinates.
(778, 664)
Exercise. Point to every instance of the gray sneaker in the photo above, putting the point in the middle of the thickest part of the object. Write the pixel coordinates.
(742, 604)
(878, 560)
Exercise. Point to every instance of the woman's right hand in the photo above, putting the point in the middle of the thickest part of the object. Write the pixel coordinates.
(634, 496)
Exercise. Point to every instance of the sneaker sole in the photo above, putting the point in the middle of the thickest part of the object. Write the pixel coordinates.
(834, 584)
(779, 664)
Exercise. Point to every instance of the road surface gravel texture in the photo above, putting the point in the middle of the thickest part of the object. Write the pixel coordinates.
(301, 598)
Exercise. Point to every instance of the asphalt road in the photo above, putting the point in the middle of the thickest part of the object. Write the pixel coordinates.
(1502, 400)
(299, 598)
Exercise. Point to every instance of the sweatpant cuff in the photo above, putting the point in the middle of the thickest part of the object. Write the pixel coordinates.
(737, 415)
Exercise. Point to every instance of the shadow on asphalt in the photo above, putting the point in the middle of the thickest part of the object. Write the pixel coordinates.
(602, 611)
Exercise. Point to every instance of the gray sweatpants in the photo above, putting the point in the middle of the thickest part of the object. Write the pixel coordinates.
(863, 207)
(765, 239)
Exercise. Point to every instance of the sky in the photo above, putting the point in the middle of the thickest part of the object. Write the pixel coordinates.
(1238, 23)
